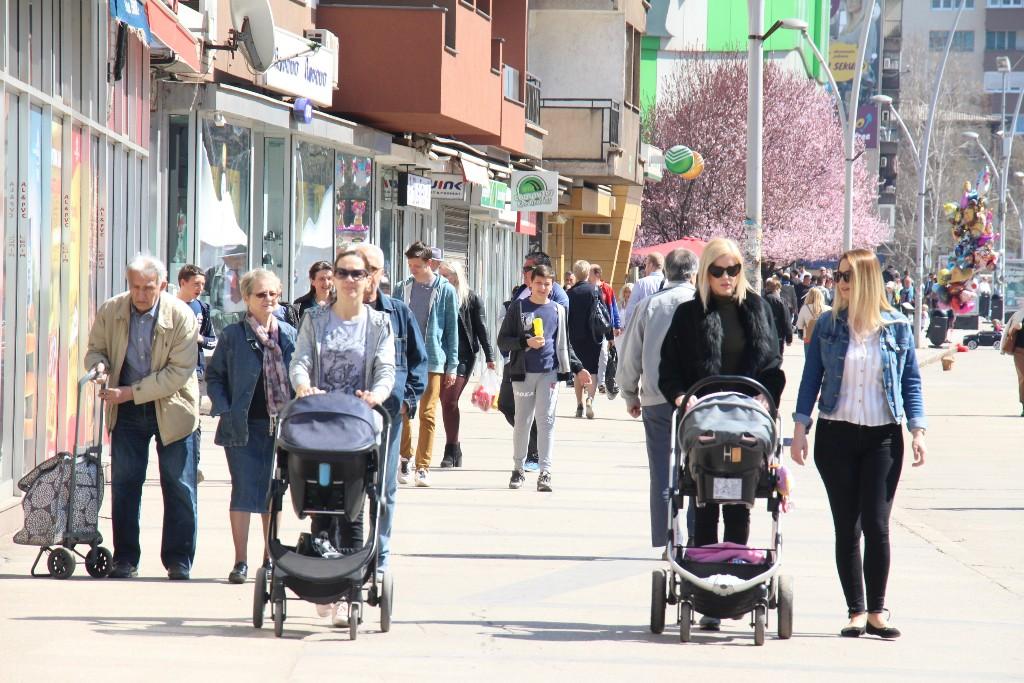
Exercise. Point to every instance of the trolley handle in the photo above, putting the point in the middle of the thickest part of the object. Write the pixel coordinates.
(726, 380)
(87, 379)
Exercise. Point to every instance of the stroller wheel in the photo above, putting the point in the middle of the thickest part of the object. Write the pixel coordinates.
(657, 601)
(387, 601)
(61, 563)
(278, 609)
(785, 616)
(760, 622)
(353, 620)
(259, 597)
(99, 562)
(685, 621)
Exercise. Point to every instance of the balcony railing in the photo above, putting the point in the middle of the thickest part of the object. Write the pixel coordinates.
(532, 99)
(611, 111)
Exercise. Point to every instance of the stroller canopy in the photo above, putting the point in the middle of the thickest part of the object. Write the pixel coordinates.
(329, 423)
(728, 416)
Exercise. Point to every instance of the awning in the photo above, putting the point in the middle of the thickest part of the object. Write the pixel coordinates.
(474, 172)
(696, 246)
(132, 14)
(171, 35)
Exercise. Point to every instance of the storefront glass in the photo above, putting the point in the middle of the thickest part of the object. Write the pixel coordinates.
(72, 256)
(314, 210)
(353, 182)
(50, 380)
(32, 198)
(7, 227)
(222, 216)
(275, 205)
(177, 196)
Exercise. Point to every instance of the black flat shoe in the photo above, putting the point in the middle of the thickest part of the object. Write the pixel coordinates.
(239, 573)
(887, 632)
(123, 570)
(178, 574)
(852, 632)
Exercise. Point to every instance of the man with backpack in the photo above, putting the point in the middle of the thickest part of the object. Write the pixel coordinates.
(589, 326)
(606, 372)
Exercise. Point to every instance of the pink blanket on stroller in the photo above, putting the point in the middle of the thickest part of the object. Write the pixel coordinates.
(726, 552)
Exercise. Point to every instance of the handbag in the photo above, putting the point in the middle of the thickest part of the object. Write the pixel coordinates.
(600, 320)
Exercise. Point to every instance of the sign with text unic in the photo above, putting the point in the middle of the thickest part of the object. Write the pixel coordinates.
(534, 191)
(302, 68)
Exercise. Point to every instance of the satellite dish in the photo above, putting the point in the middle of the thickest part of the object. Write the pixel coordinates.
(253, 24)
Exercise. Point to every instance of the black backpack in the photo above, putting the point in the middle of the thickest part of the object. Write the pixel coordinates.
(600, 320)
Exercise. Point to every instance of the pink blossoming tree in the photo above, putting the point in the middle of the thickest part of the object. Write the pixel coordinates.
(705, 108)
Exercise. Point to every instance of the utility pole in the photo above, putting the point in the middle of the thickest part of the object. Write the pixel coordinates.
(755, 134)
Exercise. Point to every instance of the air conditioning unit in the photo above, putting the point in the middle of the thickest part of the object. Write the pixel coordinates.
(329, 41)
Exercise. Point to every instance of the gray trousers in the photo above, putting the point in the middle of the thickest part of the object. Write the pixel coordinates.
(536, 398)
(658, 430)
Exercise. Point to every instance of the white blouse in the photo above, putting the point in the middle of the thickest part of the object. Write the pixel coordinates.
(862, 400)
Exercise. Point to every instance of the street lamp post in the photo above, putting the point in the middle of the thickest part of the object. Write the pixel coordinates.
(922, 172)
(755, 130)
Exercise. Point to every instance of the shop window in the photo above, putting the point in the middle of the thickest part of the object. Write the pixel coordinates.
(314, 210)
(275, 206)
(353, 191)
(30, 249)
(222, 217)
(178, 228)
(597, 229)
(8, 225)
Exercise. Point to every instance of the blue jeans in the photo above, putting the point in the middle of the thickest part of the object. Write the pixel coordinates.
(658, 430)
(136, 425)
(387, 508)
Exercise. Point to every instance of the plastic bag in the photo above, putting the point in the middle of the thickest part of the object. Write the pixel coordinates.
(486, 390)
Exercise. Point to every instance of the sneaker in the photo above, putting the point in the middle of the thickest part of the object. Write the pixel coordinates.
(339, 614)
(600, 388)
(324, 610)
(421, 478)
(518, 477)
(544, 482)
(532, 462)
(710, 624)
(579, 411)
(590, 409)
(324, 548)
(403, 472)
(199, 477)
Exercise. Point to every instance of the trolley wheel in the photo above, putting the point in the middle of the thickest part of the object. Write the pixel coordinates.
(353, 620)
(259, 597)
(387, 601)
(685, 621)
(760, 621)
(61, 563)
(98, 562)
(278, 610)
(785, 616)
(657, 601)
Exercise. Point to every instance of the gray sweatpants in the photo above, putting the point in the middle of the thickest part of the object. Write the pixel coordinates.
(536, 398)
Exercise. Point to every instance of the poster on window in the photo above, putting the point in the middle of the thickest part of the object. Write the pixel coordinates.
(353, 189)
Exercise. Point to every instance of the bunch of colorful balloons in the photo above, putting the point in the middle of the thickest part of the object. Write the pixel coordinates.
(684, 162)
(971, 222)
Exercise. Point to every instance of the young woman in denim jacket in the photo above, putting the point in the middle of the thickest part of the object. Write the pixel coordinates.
(863, 365)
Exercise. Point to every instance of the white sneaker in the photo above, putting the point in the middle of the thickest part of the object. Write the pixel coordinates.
(403, 472)
(339, 615)
(421, 478)
(199, 477)
(324, 610)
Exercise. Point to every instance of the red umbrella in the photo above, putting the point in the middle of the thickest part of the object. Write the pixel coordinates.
(694, 245)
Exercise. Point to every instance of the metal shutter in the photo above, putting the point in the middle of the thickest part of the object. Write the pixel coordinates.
(456, 233)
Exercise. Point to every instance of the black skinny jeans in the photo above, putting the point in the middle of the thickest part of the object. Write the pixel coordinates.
(737, 524)
(860, 467)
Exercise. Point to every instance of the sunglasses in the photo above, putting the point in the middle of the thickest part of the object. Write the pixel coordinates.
(266, 295)
(844, 275)
(346, 274)
(719, 271)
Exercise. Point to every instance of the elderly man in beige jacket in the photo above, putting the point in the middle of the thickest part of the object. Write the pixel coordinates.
(143, 348)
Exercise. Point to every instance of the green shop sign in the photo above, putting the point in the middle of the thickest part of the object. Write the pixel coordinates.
(494, 195)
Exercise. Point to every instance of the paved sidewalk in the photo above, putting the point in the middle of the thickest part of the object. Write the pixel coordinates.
(496, 584)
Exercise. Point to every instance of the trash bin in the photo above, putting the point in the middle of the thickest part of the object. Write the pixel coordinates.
(938, 327)
(997, 308)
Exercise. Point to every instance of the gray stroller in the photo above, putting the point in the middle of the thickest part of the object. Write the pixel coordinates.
(729, 453)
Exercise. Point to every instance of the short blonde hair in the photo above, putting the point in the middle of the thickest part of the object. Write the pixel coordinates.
(867, 293)
(247, 285)
(714, 250)
(581, 269)
(772, 285)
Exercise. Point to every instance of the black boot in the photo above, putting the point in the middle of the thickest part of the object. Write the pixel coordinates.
(449, 456)
(457, 454)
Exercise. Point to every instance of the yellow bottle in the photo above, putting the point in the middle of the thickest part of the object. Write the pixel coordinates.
(538, 327)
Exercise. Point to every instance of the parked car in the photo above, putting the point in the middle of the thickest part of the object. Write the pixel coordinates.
(983, 338)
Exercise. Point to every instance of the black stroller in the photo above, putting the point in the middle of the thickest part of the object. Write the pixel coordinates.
(63, 495)
(332, 455)
(729, 453)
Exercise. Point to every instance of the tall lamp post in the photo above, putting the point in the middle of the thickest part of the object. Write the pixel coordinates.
(922, 172)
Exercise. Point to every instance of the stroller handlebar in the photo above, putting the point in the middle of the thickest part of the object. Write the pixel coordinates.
(727, 380)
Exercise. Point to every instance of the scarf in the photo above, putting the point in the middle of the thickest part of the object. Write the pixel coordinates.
(275, 377)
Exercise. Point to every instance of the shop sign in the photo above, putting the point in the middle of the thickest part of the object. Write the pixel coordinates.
(867, 126)
(534, 190)
(447, 186)
(842, 60)
(413, 190)
(494, 195)
(300, 71)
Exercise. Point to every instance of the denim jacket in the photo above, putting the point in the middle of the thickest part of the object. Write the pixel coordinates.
(823, 369)
(410, 357)
(231, 378)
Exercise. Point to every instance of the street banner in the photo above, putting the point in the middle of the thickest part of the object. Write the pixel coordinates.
(534, 191)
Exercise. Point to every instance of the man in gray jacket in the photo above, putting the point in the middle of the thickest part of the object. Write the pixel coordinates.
(639, 357)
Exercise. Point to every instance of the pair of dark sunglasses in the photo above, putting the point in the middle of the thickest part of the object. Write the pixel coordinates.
(844, 275)
(719, 271)
(266, 295)
(346, 274)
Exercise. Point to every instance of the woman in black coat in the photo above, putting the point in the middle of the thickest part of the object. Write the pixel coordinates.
(780, 312)
(472, 338)
(727, 330)
(583, 297)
